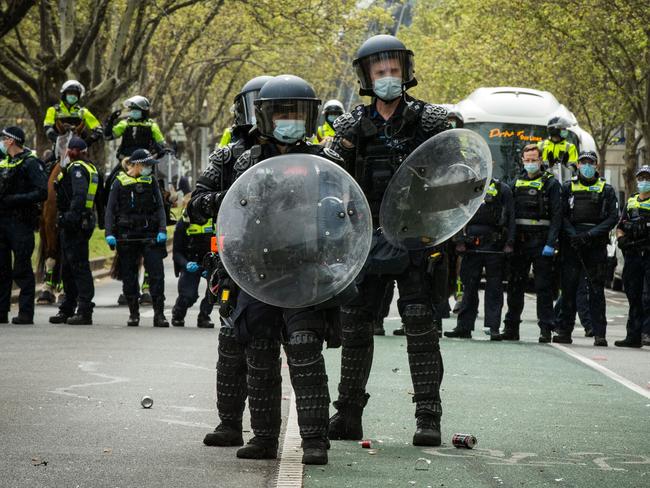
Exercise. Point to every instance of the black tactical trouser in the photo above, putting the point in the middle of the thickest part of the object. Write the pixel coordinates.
(231, 375)
(75, 272)
(636, 282)
(263, 328)
(470, 274)
(520, 264)
(582, 305)
(417, 313)
(588, 262)
(188, 294)
(17, 241)
(153, 255)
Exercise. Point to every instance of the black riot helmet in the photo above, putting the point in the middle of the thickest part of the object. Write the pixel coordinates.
(244, 108)
(556, 126)
(286, 98)
(382, 48)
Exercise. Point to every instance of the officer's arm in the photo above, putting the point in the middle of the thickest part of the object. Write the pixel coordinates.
(433, 121)
(573, 154)
(49, 124)
(346, 137)
(37, 189)
(90, 120)
(509, 205)
(625, 218)
(611, 214)
(79, 191)
(162, 217)
(179, 248)
(157, 134)
(567, 226)
(111, 208)
(115, 131)
(206, 198)
(555, 202)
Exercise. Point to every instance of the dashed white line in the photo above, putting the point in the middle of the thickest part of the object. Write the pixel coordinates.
(290, 472)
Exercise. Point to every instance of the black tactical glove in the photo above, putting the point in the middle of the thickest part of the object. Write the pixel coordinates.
(51, 134)
(624, 243)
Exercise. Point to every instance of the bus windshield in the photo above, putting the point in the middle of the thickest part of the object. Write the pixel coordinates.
(506, 142)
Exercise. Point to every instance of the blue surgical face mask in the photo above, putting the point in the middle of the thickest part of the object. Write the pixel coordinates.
(564, 133)
(587, 170)
(643, 186)
(71, 99)
(331, 118)
(146, 171)
(3, 149)
(387, 88)
(289, 131)
(135, 114)
(531, 168)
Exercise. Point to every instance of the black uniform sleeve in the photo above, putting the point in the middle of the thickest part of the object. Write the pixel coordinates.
(210, 187)
(347, 126)
(509, 208)
(610, 214)
(179, 250)
(79, 181)
(33, 171)
(555, 204)
(161, 216)
(112, 208)
(625, 217)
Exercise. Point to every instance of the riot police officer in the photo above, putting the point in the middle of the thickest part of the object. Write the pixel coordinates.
(556, 149)
(136, 226)
(69, 114)
(76, 189)
(191, 244)
(633, 234)
(538, 219)
(203, 206)
(23, 184)
(331, 111)
(374, 139)
(137, 131)
(286, 113)
(484, 243)
(590, 212)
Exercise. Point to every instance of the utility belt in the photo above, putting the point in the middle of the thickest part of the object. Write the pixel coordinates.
(86, 222)
(637, 229)
(29, 214)
(140, 222)
(495, 237)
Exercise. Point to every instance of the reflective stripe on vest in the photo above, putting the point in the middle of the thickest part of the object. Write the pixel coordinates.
(196, 229)
(492, 190)
(8, 163)
(634, 203)
(537, 183)
(541, 222)
(126, 180)
(597, 188)
(93, 181)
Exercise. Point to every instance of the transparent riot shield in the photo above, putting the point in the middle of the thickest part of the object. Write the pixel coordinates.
(436, 190)
(294, 230)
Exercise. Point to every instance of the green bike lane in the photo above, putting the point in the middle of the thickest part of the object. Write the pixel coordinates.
(541, 418)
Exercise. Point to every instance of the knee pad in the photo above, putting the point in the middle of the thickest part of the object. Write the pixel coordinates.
(304, 348)
(263, 361)
(229, 348)
(356, 328)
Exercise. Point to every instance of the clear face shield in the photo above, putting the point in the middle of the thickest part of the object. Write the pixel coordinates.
(245, 108)
(287, 121)
(394, 64)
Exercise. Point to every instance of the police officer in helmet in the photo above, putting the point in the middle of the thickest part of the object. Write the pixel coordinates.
(557, 149)
(76, 188)
(23, 184)
(633, 234)
(332, 109)
(590, 212)
(373, 140)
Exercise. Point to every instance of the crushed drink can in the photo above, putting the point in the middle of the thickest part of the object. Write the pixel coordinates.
(146, 402)
(464, 441)
(366, 444)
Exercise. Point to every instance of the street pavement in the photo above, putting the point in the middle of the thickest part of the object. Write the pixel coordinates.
(70, 413)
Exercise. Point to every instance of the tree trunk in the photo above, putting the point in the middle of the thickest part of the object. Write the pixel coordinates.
(631, 145)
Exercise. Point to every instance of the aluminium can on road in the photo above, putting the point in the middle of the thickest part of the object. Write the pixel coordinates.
(464, 441)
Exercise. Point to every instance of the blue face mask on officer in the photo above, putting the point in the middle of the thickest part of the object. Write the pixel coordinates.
(289, 130)
(387, 88)
(146, 170)
(135, 114)
(71, 99)
(587, 170)
(331, 118)
(643, 186)
(531, 168)
(3, 148)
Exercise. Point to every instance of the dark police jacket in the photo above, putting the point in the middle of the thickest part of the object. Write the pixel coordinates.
(23, 185)
(78, 191)
(191, 243)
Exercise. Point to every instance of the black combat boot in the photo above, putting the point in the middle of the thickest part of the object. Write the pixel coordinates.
(459, 333)
(627, 342)
(80, 319)
(495, 336)
(159, 319)
(600, 341)
(314, 451)
(134, 311)
(22, 320)
(510, 333)
(378, 329)
(427, 432)
(562, 338)
(545, 335)
(346, 424)
(227, 433)
(178, 317)
(203, 322)
(259, 448)
(59, 318)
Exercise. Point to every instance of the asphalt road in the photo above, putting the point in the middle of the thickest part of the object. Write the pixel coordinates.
(70, 411)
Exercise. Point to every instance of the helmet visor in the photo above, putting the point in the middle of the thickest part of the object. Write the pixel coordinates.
(268, 111)
(245, 108)
(396, 64)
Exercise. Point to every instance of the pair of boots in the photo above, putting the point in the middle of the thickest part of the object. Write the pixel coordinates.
(202, 322)
(229, 433)
(78, 318)
(159, 319)
(346, 424)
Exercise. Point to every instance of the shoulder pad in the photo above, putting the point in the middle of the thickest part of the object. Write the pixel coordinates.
(434, 118)
(332, 155)
(218, 158)
(245, 161)
(345, 122)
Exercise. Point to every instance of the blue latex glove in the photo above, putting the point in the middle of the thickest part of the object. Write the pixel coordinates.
(111, 241)
(205, 273)
(161, 237)
(192, 267)
(548, 251)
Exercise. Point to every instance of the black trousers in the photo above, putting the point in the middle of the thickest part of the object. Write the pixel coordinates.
(471, 269)
(17, 245)
(636, 282)
(188, 294)
(75, 272)
(520, 263)
(582, 304)
(153, 255)
(590, 263)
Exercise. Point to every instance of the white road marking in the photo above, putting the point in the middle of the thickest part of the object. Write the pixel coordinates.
(186, 424)
(607, 372)
(191, 366)
(290, 472)
(88, 367)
